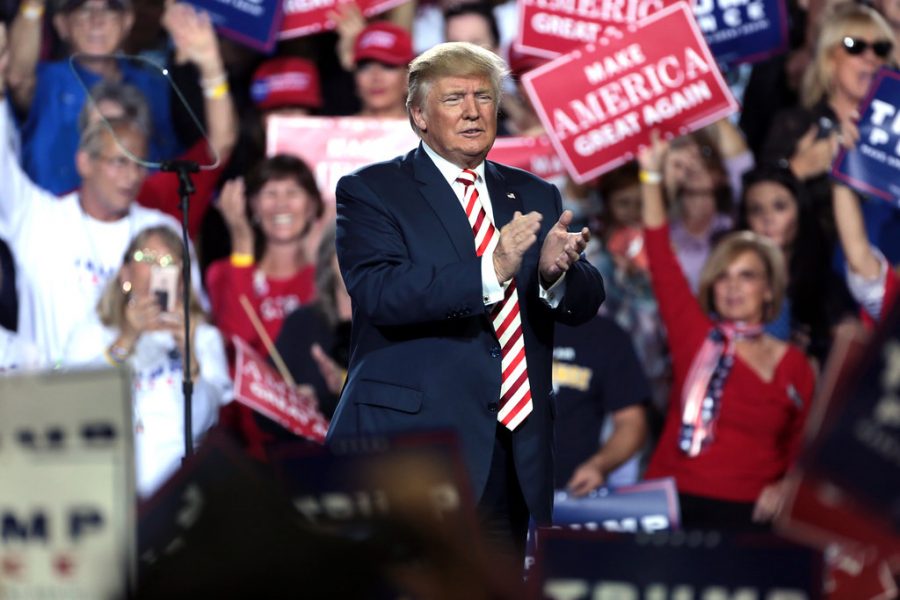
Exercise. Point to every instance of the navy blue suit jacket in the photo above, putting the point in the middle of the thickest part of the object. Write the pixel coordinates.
(423, 351)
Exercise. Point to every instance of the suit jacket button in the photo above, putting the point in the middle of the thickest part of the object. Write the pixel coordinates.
(493, 407)
(495, 351)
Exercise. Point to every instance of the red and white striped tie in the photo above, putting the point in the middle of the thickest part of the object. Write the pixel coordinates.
(515, 391)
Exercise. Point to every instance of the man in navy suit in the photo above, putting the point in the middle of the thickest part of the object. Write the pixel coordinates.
(458, 268)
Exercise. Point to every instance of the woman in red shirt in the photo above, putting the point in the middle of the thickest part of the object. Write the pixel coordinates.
(268, 218)
(740, 397)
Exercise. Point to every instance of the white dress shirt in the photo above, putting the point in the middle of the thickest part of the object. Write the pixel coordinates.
(492, 289)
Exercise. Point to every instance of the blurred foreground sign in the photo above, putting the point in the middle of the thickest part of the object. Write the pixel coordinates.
(845, 497)
(66, 486)
(578, 565)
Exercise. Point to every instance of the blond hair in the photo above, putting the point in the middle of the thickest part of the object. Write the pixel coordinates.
(452, 59)
(111, 307)
(726, 251)
(844, 19)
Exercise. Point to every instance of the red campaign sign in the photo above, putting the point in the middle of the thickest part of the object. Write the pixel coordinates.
(260, 387)
(600, 103)
(533, 154)
(549, 28)
(305, 17)
(336, 146)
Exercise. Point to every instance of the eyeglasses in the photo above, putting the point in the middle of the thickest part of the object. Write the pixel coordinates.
(119, 163)
(855, 47)
(152, 258)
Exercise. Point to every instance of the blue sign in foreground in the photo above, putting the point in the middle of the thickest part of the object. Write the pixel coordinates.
(873, 166)
(578, 565)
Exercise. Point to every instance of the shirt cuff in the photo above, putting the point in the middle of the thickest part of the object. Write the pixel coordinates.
(869, 293)
(554, 294)
(492, 291)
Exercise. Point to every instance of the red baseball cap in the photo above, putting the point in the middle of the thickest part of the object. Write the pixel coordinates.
(385, 43)
(286, 81)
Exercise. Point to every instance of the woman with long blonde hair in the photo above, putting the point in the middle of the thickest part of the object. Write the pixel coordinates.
(133, 328)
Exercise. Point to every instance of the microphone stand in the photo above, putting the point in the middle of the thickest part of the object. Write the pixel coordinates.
(183, 169)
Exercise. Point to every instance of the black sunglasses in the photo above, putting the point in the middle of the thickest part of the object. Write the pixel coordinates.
(881, 48)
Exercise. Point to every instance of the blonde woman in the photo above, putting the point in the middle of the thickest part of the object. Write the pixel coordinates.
(740, 397)
(132, 328)
(853, 44)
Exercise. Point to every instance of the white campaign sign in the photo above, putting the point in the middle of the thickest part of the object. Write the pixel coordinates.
(67, 498)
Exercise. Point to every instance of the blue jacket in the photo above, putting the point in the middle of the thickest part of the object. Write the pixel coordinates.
(423, 351)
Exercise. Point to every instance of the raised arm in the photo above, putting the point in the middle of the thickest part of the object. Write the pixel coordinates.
(195, 41)
(17, 193)
(651, 160)
(25, 38)
(852, 231)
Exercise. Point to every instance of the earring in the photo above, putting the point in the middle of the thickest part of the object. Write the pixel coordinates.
(126, 287)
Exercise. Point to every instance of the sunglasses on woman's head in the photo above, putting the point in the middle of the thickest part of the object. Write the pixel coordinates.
(855, 47)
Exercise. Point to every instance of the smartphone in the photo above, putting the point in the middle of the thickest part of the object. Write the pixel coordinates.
(826, 126)
(164, 285)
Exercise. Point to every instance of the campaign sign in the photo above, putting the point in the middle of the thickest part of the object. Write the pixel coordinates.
(260, 387)
(305, 17)
(579, 565)
(857, 448)
(648, 506)
(549, 28)
(873, 166)
(67, 491)
(742, 31)
(600, 103)
(533, 154)
(254, 23)
(336, 146)
(361, 479)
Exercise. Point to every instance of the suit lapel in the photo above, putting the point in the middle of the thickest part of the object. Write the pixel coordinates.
(503, 202)
(440, 197)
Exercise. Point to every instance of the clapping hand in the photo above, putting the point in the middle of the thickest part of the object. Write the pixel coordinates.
(516, 237)
(561, 249)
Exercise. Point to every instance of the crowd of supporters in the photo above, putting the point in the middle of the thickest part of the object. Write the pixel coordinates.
(730, 257)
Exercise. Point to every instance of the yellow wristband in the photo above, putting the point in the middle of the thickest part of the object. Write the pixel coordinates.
(217, 91)
(650, 177)
(239, 259)
(32, 10)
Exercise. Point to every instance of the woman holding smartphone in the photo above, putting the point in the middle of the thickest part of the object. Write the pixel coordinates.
(853, 44)
(131, 326)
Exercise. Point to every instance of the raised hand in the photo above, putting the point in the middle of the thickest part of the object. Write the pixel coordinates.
(516, 237)
(233, 206)
(650, 158)
(561, 249)
(814, 155)
(193, 35)
(349, 22)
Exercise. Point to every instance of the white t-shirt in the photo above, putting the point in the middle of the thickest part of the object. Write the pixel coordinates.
(16, 355)
(157, 398)
(64, 258)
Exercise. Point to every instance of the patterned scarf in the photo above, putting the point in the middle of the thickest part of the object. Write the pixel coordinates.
(702, 393)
